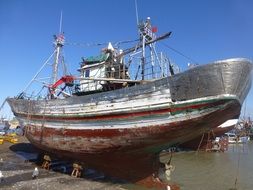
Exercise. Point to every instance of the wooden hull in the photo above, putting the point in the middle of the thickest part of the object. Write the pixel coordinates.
(135, 163)
(121, 132)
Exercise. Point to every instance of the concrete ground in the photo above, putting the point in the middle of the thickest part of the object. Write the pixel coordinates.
(17, 172)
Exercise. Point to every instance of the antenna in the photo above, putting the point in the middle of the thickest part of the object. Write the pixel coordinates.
(59, 43)
(136, 13)
(60, 30)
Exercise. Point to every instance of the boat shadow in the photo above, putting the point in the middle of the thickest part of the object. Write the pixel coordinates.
(33, 157)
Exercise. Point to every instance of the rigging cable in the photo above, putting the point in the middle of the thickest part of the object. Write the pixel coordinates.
(35, 76)
(38, 94)
(124, 42)
(3, 104)
(99, 44)
(85, 45)
(178, 52)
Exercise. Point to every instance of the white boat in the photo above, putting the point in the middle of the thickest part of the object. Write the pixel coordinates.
(233, 138)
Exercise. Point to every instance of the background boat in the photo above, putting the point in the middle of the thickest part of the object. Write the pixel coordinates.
(202, 141)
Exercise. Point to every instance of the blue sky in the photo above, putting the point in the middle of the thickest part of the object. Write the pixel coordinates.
(204, 30)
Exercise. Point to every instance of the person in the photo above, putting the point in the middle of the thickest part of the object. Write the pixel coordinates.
(35, 173)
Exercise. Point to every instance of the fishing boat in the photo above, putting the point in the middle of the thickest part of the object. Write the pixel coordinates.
(117, 122)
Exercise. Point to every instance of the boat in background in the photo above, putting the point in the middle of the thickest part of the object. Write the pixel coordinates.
(205, 140)
(117, 122)
(245, 127)
(241, 134)
(235, 139)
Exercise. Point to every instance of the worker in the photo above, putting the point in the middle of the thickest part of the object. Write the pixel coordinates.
(35, 173)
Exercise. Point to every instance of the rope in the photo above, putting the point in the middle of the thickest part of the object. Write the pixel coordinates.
(237, 170)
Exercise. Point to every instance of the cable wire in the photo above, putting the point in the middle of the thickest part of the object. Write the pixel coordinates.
(178, 52)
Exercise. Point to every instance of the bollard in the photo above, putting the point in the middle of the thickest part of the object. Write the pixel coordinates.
(46, 162)
(77, 170)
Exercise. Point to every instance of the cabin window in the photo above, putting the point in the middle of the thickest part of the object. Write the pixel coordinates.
(87, 73)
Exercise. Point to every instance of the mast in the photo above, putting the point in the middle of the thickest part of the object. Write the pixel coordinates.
(147, 35)
(59, 43)
(143, 57)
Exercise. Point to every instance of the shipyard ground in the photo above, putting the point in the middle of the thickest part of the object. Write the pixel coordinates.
(17, 172)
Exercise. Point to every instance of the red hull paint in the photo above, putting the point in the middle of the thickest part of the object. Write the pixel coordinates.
(137, 160)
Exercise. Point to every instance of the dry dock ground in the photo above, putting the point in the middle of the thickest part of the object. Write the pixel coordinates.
(17, 172)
